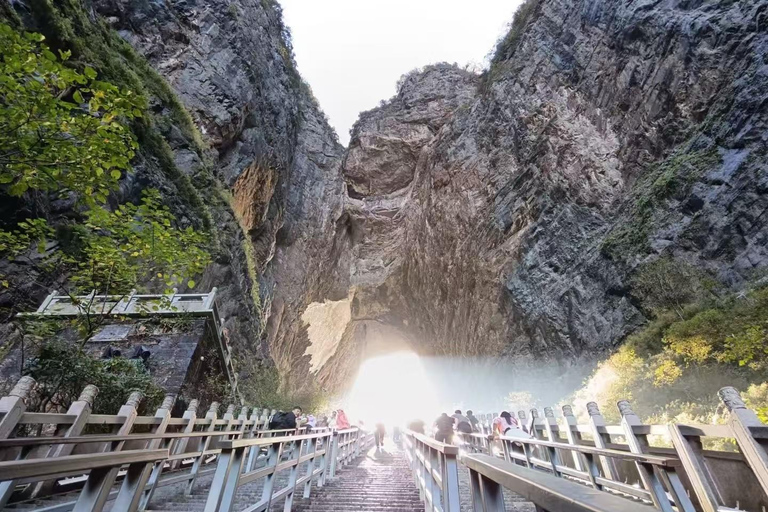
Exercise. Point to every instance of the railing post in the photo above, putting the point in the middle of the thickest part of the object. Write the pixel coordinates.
(12, 407)
(492, 495)
(648, 474)
(190, 417)
(97, 489)
(297, 447)
(324, 459)
(691, 453)
(334, 452)
(573, 435)
(550, 424)
(597, 422)
(151, 475)
(273, 458)
(429, 496)
(81, 409)
(203, 443)
(225, 480)
(311, 449)
(451, 483)
(742, 422)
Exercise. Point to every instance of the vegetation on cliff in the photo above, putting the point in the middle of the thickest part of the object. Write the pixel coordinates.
(65, 137)
(699, 340)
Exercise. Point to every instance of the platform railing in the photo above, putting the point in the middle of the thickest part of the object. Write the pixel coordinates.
(435, 471)
(191, 441)
(307, 458)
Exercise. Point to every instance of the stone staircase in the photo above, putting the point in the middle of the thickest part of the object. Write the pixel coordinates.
(380, 481)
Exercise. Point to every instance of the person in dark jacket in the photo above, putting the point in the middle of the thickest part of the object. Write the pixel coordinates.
(474, 421)
(444, 429)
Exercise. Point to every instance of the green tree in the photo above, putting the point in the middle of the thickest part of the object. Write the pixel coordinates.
(60, 130)
(64, 132)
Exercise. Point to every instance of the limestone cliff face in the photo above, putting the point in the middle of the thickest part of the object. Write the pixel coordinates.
(494, 215)
(504, 214)
(231, 65)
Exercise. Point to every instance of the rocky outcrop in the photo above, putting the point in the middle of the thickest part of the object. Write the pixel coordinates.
(504, 214)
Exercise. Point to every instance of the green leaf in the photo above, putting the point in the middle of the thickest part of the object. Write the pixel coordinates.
(115, 174)
(78, 97)
(191, 283)
(90, 72)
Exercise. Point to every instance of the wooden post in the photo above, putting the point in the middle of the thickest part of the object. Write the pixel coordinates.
(745, 424)
(596, 421)
(99, 487)
(573, 435)
(150, 476)
(81, 409)
(648, 474)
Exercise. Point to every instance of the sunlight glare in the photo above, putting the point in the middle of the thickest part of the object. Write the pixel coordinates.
(392, 389)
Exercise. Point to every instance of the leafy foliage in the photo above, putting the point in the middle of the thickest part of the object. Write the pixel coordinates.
(60, 130)
(672, 369)
(62, 371)
(669, 284)
(57, 141)
(136, 244)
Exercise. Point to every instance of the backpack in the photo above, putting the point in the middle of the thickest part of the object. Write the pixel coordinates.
(282, 420)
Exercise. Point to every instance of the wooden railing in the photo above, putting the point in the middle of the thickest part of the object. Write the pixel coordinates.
(664, 466)
(435, 471)
(190, 448)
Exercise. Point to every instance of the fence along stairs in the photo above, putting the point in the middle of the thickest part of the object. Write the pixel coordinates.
(209, 463)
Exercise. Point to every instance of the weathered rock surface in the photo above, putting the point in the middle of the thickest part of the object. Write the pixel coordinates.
(504, 215)
(499, 215)
(231, 65)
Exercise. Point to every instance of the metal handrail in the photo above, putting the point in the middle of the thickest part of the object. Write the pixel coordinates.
(536, 454)
(435, 470)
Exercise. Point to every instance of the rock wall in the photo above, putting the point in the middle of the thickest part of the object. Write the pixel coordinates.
(231, 65)
(269, 182)
(493, 215)
(504, 214)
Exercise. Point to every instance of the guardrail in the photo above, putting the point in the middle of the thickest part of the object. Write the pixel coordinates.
(101, 468)
(664, 465)
(192, 442)
(435, 470)
(322, 453)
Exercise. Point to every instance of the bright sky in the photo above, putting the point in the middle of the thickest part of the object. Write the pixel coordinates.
(352, 52)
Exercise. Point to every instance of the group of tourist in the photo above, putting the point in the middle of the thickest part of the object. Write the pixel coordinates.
(295, 418)
(446, 426)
